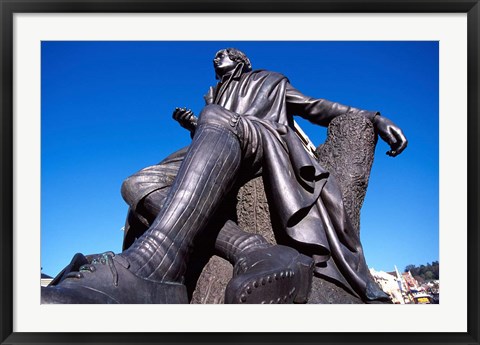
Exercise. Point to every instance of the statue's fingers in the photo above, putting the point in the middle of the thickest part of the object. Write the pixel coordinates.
(184, 116)
(391, 140)
(395, 151)
(401, 142)
(178, 113)
(402, 146)
(392, 153)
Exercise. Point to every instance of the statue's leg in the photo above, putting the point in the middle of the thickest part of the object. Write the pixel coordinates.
(160, 255)
(232, 241)
(141, 216)
(206, 175)
(135, 226)
(145, 193)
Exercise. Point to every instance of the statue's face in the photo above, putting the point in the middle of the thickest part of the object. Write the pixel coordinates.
(223, 64)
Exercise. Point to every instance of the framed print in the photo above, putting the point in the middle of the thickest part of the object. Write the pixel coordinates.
(87, 94)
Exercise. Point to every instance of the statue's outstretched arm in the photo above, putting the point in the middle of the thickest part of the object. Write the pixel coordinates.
(317, 110)
(321, 112)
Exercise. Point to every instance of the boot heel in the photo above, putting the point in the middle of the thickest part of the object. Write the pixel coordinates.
(305, 269)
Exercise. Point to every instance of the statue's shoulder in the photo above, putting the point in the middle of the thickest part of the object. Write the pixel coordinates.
(263, 73)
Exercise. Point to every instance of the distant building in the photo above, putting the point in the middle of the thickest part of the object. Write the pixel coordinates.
(390, 284)
(404, 288)
(410, 281)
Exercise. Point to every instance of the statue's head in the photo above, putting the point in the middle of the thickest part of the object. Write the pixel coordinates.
(226, 60)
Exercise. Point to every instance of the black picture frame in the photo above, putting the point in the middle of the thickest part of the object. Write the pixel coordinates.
(10, 7)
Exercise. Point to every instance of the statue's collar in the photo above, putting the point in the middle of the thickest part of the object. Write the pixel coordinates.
(235, 74)
(226, 80)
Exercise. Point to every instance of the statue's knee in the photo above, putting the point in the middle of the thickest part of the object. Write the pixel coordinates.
(215, 115)
(129, 186)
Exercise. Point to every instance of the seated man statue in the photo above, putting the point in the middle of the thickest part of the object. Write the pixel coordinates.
(245, 130)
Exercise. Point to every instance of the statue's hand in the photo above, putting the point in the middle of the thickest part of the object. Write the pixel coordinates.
(391, 134)
(185, 118)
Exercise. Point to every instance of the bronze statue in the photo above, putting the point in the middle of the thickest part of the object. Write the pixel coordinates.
(245, 130)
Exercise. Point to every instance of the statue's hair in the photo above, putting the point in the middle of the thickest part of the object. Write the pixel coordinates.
(239, 56)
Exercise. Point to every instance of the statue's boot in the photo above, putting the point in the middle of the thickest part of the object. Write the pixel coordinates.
(77, 261)
(274, 274)
(159, 257)
(107, 280)
(263, 273)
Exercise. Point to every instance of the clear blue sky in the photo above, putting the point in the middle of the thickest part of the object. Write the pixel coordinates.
(106, 113)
